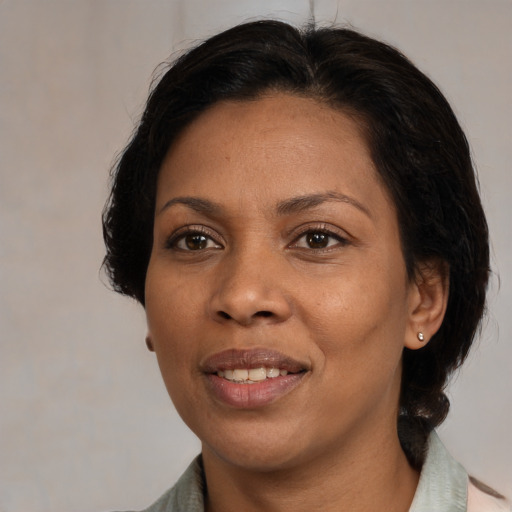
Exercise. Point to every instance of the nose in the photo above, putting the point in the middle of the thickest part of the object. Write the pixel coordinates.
(250, 289)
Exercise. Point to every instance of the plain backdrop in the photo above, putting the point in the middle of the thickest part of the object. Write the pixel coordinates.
(85, 422)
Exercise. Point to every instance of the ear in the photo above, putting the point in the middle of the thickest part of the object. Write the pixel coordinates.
(427, 303)
(149, 343)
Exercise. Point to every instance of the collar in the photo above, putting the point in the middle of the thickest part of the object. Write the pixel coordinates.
(443, 482)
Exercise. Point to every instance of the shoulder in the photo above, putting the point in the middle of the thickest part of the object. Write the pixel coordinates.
(445, 486)
(482, 498)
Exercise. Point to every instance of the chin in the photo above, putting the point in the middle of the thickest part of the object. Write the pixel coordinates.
(263, 458)
(262, 446)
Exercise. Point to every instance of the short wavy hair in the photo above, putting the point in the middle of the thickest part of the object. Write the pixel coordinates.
(416, 143)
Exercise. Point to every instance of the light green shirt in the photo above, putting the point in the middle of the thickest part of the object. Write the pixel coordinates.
(443, 487)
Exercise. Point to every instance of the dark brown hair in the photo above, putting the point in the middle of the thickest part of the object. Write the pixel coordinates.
(417, 145)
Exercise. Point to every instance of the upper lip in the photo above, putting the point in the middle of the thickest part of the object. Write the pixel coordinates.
(251, 358)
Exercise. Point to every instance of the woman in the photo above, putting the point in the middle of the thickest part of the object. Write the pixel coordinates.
(298, 214)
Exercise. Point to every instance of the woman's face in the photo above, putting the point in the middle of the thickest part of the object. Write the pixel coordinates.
(277, 297)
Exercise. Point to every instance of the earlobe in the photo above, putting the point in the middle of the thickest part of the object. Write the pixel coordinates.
(427, 303)
(149, 343)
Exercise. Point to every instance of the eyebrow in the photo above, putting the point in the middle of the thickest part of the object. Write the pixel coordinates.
(287, 207)
(307, 202)
(195, 203)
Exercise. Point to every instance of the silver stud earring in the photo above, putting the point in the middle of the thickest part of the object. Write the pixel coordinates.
(421, 337)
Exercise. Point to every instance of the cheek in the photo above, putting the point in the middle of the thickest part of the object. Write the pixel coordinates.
(171, 301)
(171, 315)
(171, 326)
(360, 331)
(360, 318)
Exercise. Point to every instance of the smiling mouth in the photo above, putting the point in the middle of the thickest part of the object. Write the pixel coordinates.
(252, 375)
(254, 365)
(252, 378)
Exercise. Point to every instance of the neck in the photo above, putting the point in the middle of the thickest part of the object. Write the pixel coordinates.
(360, 476)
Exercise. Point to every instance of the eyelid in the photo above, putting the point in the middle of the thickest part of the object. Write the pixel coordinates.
(320, 227)
(191, 229)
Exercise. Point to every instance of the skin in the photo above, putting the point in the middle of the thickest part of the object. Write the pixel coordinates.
(345, 311)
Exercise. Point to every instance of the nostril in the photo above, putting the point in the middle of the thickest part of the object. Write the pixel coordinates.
(264, 314)
(261, 314)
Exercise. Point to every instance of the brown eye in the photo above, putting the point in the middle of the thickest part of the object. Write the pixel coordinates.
(195, 242)
(317, 240)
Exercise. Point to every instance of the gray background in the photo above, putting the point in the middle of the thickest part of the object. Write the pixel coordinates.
(85, 422)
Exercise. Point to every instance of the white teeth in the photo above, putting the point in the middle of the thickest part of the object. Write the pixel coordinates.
(257, 374)
(272, 372)
(240, 374)
(252, 375)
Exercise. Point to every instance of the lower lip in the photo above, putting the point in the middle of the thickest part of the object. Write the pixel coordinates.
(251, 396)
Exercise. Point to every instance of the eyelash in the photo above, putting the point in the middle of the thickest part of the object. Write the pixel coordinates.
(320, 230)
(190, 231)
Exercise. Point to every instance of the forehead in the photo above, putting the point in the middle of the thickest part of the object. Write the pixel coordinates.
(271, 147)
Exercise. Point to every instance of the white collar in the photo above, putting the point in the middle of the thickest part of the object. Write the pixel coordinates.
(443, 485)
